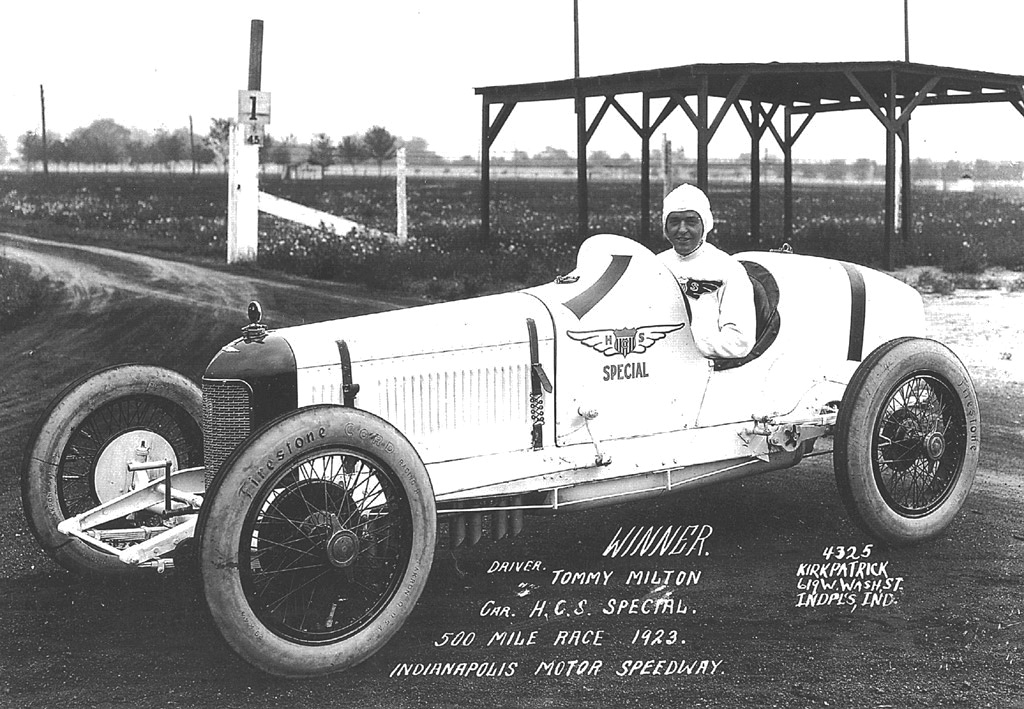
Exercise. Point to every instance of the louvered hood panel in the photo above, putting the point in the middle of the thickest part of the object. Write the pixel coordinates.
(453, 377)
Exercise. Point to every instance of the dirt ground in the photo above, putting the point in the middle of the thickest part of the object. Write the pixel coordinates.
(951, 635)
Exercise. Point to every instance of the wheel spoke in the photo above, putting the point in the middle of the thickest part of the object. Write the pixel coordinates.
(329, 544)
(909, 462)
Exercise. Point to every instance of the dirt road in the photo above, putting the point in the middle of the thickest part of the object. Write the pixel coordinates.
(951, 635)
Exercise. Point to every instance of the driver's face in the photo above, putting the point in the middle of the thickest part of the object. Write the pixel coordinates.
(684, 231)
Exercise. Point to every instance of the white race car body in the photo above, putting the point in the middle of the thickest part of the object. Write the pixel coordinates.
(630, 394)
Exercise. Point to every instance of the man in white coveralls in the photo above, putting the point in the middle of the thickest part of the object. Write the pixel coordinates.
(716, 286)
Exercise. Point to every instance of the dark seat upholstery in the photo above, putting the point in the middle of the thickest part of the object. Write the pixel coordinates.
(766, 303)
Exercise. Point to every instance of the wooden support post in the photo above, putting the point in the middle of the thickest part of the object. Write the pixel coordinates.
(906, 203)
(755, 172)
(666, 166)
(787, 170)
(703, 135)
(581, 167)
(645, 174)
(889, 241)
(485, 174)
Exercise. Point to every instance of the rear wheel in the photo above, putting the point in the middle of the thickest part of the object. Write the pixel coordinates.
(78, 453)
(907, 438)
(315, 541)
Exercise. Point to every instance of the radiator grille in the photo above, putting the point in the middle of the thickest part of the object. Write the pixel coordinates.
(227, 407)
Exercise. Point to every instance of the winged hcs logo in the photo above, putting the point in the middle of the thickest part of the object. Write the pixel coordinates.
(625, 341)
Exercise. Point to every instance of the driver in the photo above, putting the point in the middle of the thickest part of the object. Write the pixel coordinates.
(716, 286)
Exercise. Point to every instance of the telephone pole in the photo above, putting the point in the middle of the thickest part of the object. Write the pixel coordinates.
(42, 108)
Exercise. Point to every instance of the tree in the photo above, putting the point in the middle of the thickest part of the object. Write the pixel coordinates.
(322, 150)
(57, 149)
(953, 170)
(352, 150)
(864, 168)
(217, 139)
(103, 141)
(204, 155)
(140, 149)
(380, 144)
(553, 156)
(417, 151)
(267, 149)
(282, 151)
(4, 153)
(171, 147)
(835, 170)
(30, 147)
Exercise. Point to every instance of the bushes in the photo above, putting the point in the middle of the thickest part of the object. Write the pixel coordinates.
(534, 235)
(422, 265)
(932, 281)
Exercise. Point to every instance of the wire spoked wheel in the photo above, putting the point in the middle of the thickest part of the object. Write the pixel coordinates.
(78, 454)
(93, 466)
(315, 540)
(920, 445)
(327, 547)
(907, 441)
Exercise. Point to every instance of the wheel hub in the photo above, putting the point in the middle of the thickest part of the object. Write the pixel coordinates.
(342, 548)
(111, 477)
(934, 445)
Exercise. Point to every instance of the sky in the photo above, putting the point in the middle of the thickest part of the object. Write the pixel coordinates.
(412, 66)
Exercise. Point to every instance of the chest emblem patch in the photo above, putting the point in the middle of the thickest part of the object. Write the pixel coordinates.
(695, 287)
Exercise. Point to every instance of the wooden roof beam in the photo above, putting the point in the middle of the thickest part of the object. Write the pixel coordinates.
(597, 119)
(495, 127)
(629, 119)
(921, 95)
(869, 100)
(748, 121)
(665, 113)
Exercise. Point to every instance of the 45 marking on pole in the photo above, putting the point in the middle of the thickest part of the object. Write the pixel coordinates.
(254, 114)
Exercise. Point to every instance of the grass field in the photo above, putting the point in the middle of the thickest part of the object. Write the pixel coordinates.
(533, 225)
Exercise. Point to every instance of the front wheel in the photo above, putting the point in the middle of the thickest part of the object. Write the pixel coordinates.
(78, 454)
(316, 540)
(907, 438)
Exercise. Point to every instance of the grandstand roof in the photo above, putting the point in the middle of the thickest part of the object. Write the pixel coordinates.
(891, 90)
(820, 85)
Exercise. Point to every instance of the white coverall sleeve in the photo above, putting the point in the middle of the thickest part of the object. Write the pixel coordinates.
(734, 333)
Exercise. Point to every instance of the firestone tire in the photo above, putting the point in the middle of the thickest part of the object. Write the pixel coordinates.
(907, 440)
(77, 448)
(316, 540)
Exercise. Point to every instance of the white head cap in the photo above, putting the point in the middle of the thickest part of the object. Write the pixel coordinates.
(685, 198)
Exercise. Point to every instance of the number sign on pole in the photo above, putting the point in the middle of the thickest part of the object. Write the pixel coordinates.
(243, 157)
(254, 114)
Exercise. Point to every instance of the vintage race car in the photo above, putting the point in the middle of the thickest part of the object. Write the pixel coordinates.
(308, 479)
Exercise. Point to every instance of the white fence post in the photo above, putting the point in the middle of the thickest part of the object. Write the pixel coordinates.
(402, 200)
(243, 196)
